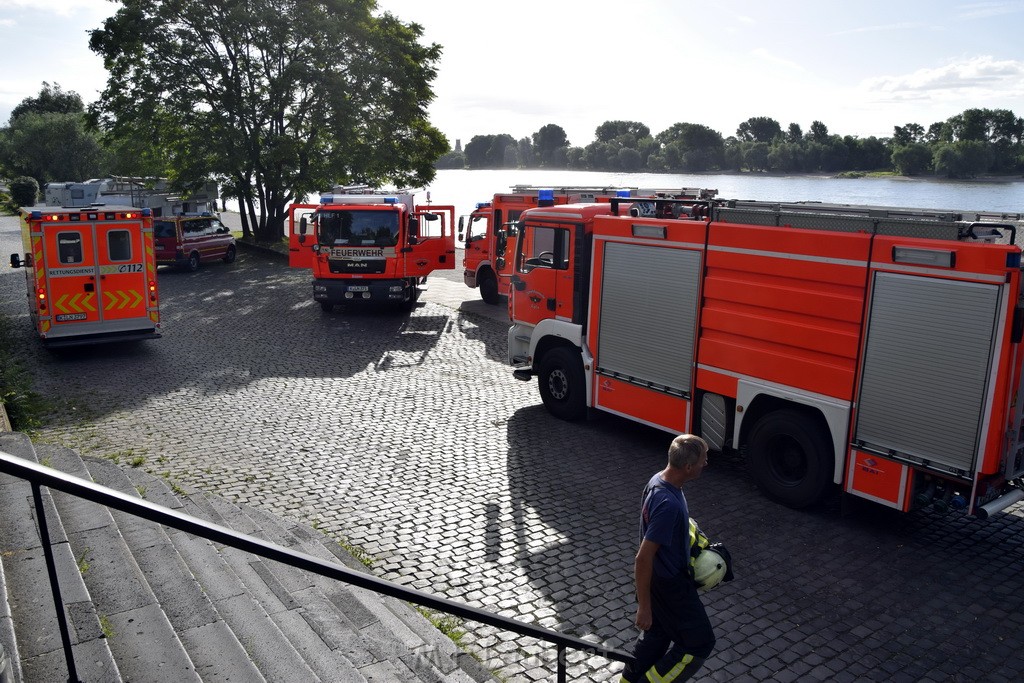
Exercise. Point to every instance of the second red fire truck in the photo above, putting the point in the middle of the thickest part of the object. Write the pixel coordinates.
(874, 348)
(489, 234)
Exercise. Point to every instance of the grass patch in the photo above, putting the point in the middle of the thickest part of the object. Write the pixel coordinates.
(108, 630)
(26, 409)
(358, 553)
(449, 625)
(83, 564)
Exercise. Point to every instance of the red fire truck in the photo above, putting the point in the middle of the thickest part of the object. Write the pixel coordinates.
(90, 274)
(366, 245)
(874, 348)
(490, 235)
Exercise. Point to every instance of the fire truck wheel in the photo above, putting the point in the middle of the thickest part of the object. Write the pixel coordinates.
(229, 256)
(193, 262)
(562, 384)
(790, 458)
(489, 288)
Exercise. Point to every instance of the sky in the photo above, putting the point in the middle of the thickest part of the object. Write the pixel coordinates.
(512, 67)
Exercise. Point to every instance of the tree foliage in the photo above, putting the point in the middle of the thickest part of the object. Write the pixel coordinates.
(51, 100)
(278, 98)
(759, 129)
(50, 147)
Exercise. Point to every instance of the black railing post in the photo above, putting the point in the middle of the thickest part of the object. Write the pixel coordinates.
(562, 656)
(51, 568)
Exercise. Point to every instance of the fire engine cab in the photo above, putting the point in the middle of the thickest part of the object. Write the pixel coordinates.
(366, 245)
(490, 237)
(90, 274)
(874, 348)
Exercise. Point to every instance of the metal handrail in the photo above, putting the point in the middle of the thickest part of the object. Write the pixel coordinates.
(40, 475)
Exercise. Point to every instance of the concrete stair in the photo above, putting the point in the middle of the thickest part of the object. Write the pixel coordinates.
(149, 603)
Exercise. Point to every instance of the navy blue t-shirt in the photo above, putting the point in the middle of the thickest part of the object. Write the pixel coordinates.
(665, 520)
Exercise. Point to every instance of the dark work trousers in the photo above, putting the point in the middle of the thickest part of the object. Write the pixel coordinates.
(679, 640)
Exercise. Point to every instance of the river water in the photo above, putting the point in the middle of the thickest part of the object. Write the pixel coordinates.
(465, 188)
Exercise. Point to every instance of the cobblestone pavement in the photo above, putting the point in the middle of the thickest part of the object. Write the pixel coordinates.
(406, 436)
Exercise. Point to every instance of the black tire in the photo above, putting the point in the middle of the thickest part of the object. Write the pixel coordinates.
(489, 288)
(229, 256)
(193, 262)
(326, 306)
(563, 384)
(791, 457)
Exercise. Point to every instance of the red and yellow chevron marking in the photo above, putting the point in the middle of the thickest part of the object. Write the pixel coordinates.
(122, 299)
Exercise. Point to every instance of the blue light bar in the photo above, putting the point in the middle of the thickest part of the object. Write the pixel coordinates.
(327, 199)
(622, 193)
(390, 200)
(37, 215)
(546, 195)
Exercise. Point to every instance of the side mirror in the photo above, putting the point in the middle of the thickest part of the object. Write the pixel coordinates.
(15, 261)
(500, 262)
(462, 228)
(414, 230)
(302, 230)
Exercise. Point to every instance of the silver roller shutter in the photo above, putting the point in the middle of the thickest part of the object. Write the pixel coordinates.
(926, 368)
(648, 315)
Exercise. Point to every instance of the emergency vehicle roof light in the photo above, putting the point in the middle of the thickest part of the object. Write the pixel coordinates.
(944, 258)
(326, 199)
(36, 215)
(546, 195)
(1013, 260)
(390, 200)
(482, 205)
(622, 193)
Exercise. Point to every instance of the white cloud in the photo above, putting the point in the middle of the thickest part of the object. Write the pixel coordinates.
(978, 77)
(984, 10)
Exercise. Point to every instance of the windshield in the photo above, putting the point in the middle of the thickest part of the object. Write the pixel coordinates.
(379, 228)
(163, 229)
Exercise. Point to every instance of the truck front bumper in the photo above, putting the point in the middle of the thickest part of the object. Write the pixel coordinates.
(361, 290)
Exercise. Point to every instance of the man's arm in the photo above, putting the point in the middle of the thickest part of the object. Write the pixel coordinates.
(643, 569)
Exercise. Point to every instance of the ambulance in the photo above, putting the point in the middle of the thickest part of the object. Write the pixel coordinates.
(90, 274)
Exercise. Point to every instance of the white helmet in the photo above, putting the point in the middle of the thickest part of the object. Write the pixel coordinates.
(709, 569)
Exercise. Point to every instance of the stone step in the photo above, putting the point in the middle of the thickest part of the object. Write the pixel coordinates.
(180, 607)
(33, 641)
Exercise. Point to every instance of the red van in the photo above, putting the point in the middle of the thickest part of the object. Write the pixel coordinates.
(187, 241)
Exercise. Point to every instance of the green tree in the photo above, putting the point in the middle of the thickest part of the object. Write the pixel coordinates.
(692, 147)
(962, 159)
(51, 147)
(610, 130)
(547, 141)
(51, 100)
(24, 191)
(818, 132)
(907, 134)
(759, 129)
(912, 159)
(755, 156)
(278, 98)
(452, 159)
(794, 133)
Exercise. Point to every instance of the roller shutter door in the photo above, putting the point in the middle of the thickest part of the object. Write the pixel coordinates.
(926, 368)
(648, 315)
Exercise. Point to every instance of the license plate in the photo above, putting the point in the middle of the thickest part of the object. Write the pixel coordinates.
(359, 288)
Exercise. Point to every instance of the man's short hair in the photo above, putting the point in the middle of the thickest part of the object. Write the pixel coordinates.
(686, 449)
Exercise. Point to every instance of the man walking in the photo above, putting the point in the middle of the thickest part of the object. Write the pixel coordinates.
(675, 633)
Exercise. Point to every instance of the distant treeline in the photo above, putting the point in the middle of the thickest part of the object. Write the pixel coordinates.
(976, 142)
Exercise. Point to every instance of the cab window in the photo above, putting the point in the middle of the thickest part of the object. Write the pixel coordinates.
(69, 247)
(544, 248)
(119, 245)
